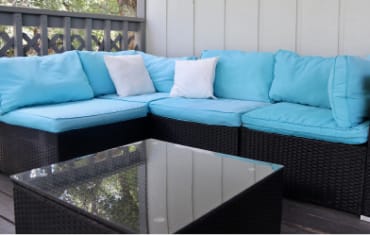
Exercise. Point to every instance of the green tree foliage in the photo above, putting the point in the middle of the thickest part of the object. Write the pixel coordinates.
(110, 7)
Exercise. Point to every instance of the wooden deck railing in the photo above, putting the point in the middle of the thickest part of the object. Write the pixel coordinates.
(25, 31)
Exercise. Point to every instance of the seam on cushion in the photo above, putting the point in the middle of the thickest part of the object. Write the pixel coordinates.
(182, 119)
(331, 95)
(346, 94)
(214, 111)
(290, 123)
(275, 130)
(95, 115)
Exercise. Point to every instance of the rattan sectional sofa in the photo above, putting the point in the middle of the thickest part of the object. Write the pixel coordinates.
(279, 107)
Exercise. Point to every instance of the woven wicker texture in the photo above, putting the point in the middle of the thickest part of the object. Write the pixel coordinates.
(256, 211)
(214, 138)
(366, 201)
(24, 148)
(325, 173)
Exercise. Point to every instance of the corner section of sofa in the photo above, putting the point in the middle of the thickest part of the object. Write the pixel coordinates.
(324, 163)
(36, 136)
(211, 124)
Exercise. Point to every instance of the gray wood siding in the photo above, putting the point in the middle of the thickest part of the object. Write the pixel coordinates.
(310, 27)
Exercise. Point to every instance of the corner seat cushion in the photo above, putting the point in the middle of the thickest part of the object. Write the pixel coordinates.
(161, 70)
(145, 98)
(242, 75)
(303, 121)
(301, 79)
(223, 112)
(97, 72)
(75, 115)
(349, 90)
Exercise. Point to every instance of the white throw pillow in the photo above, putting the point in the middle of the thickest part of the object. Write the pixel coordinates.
(194, 78)
(129, 75)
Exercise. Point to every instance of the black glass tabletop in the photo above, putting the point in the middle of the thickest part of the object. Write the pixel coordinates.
(147, 187)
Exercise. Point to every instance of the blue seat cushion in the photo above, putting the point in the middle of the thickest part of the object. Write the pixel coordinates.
(145, 98)
(39, 80)
(75, 115)
(349, 90)
(242, 75)
(301, 79)
(161, 70)
(96, 71)
(223, 112)
(304, 121)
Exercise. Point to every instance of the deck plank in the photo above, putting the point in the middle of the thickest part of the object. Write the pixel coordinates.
(6, 207)
(6, 186)
(316, 219)
(6, 227)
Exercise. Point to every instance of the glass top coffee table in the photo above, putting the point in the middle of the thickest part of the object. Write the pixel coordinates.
(150, 187)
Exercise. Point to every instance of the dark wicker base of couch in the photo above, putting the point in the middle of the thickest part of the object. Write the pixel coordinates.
(215, 138)
(24, 148)
(325, 173)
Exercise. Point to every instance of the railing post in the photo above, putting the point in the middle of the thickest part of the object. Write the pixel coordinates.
(88, 29)
(18, 35)
(67, 34)
(107, 38)
(124, 42)
(141, 36)
(44, 35)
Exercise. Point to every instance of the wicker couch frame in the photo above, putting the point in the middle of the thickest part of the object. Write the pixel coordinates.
(328, 174)
(17, 143)
(320, 172)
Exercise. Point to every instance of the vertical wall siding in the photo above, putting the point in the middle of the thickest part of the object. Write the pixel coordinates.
(156, 27)
(317, 27)
(180, 28)
(277, 26)
(310, 27)
(241, 21)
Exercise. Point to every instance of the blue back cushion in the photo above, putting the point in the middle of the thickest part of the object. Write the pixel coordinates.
(27, 81)
(349, 90)
(161, 70)
(96, 71)
(301, 79)
(242, 75)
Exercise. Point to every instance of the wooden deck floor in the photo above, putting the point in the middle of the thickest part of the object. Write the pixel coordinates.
(297, 217)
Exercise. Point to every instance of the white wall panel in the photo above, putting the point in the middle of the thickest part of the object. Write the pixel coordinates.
(355, 32)
(209, 25)
(156, 27)
(318, 27)
(277, 25)
(180, 28)
(241, 25)
(311, 27)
